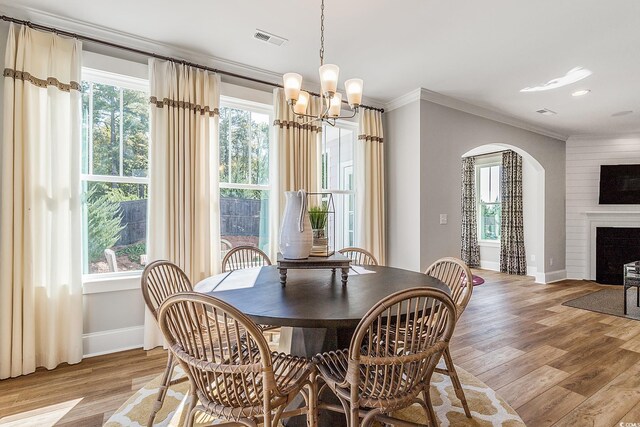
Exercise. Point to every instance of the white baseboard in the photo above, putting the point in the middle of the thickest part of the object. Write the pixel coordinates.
(97, 343)
(490, 265)
(553, 276)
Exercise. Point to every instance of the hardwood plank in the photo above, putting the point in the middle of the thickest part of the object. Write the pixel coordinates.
(609, 404)
(547, 408)
(515, 368)
(489, 360)
(531, 385)
(590, 379)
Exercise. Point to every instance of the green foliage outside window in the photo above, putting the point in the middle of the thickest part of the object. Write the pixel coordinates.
(490, 217)
(103, 218)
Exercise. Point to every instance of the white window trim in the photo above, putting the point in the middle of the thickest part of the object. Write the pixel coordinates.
(339, 232)
(120, 280)
(257, 107)
(488, 161)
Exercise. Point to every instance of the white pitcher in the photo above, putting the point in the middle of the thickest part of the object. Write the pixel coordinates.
(296, 238)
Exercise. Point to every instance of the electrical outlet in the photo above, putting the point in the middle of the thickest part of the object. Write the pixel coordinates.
(550, 261)
(443, 219)
(533, 258)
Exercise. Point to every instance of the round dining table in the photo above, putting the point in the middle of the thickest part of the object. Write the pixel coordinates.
(316, 312)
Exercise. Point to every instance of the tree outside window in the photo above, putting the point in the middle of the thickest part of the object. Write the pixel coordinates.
(115, 145)
(244, 137)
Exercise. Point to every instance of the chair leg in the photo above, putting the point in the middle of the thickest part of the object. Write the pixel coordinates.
(162, 392)
(192, 410)
(312, 414)
(431, 414)
(457, 386)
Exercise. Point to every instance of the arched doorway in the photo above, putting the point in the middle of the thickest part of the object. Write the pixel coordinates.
(533, 181)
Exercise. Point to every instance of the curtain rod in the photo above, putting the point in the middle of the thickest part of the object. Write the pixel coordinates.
(151, 54)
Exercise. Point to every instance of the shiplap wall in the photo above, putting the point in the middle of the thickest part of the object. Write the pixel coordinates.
(584, 157)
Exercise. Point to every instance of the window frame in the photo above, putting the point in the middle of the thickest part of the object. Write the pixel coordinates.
(254, 107)
(92, 75)
(340, 202)
(480, 164)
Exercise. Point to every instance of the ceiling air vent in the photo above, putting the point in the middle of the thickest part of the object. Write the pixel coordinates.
(263, 36)
(546, 112)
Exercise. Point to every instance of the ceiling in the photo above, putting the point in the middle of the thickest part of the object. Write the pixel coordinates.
(481, 52)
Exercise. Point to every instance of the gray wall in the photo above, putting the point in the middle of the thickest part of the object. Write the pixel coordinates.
(444, 136)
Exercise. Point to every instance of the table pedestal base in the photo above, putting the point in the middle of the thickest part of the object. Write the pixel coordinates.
(308, 342)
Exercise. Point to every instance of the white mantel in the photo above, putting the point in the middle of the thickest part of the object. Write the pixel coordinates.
(605, 218)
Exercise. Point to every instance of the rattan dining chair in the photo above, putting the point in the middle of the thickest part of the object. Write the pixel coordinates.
(242, 257)
(160, 280)
(359, 256)
(236, 380)
(392, 356)
(457, 276)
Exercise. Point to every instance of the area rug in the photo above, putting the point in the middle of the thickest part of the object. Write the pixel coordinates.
(477, 280)
(608, 301)
(487, 408)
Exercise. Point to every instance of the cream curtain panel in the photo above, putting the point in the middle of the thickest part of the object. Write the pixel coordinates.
(370, 198)
(184, 211)
(40, 242)
(297, 154)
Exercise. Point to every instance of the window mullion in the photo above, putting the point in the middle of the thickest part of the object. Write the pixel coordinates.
(121, 132)
(90, 124)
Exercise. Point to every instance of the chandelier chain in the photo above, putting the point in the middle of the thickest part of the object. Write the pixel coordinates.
(322, 33)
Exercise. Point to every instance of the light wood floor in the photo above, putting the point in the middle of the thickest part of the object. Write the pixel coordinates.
(555, 365)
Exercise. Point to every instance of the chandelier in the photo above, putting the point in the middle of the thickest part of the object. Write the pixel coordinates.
(331, 99)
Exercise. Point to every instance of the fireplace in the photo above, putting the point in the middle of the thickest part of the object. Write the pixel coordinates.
(615, 246)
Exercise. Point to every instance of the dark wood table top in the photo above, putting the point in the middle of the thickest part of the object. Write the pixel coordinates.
(312, 298)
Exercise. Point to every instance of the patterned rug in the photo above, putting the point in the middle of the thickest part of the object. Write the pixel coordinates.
(487, 408)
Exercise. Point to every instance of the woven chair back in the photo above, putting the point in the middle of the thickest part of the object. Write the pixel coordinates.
(457, 276)
(225, 356)
(359, 256)
(242, 257)
(160, 280)
(397, 345)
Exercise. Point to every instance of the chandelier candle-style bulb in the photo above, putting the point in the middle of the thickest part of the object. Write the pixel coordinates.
(335, 105)
(302, 103)
(329, 78)
(292, 84)
(354, 91)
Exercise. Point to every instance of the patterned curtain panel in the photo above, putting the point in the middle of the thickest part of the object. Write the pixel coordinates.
(40, 215)
(512, 256)
(184, 210)
(469, 249)
(370, 197)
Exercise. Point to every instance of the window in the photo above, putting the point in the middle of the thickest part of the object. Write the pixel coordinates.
(338, 178)
(489, 203)
(115, 145)
(244, 136)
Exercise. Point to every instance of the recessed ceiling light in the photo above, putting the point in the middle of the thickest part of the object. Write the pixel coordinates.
(581, 92)
(622, 113)
(574, 75)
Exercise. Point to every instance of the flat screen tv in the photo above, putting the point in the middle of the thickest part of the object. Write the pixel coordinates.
(620, 184)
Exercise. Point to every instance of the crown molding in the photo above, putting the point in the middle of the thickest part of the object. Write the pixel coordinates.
(457, 104)
(130, 40)
(622, 135)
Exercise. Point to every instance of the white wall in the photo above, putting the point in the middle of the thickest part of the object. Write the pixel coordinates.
(403, 186)
(584, 157)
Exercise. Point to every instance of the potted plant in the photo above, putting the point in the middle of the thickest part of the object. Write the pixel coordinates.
(319, 215)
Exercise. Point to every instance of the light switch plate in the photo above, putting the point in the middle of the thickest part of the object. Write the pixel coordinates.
(443, 219)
